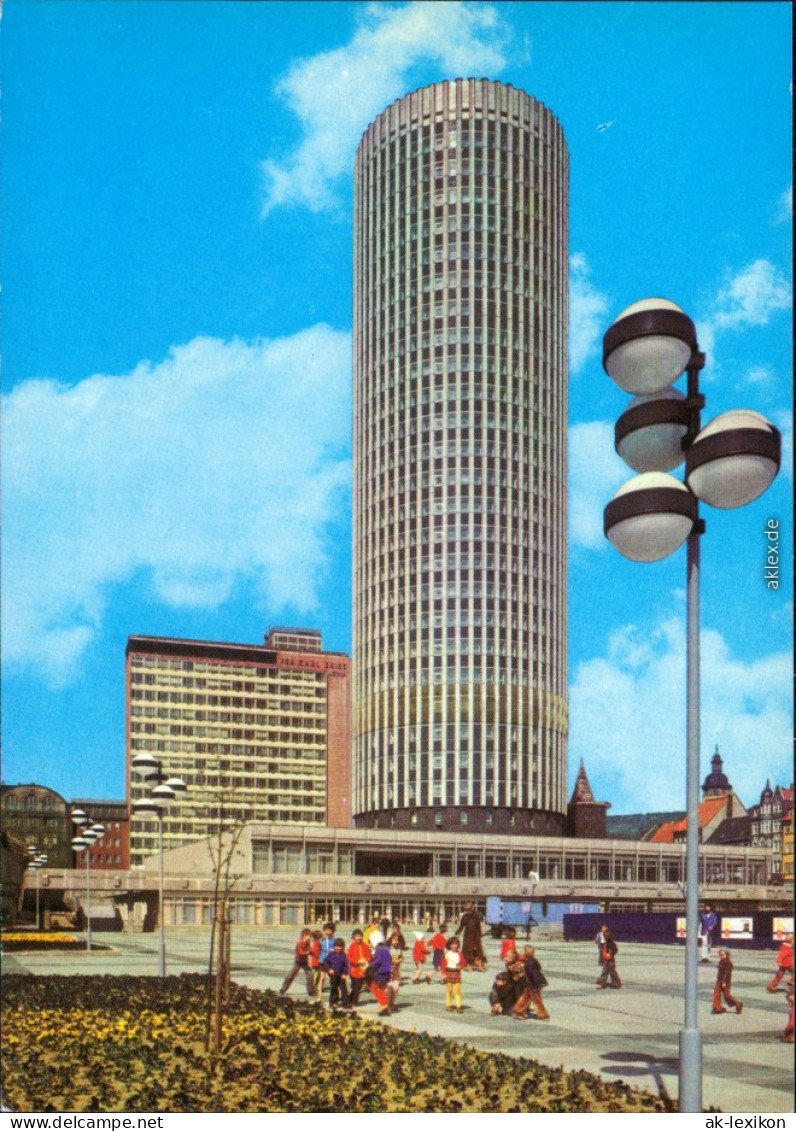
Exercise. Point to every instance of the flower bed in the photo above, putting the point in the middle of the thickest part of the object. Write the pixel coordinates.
(137, 1045)
(44, 940)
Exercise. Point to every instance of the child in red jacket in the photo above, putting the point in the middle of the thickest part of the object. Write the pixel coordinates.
(359, 957)
(509, 943)
(784, 964)
(419, 957)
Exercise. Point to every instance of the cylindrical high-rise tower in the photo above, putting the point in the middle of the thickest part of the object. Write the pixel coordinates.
(460, 415)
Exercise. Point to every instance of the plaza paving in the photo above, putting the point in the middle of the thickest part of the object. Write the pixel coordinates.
(629, 1034)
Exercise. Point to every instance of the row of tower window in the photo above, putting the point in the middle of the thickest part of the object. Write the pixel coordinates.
(433, 670)
(270, 703)
(193, 721)
(315, 685)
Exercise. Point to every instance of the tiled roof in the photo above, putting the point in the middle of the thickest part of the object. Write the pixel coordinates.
(707, 811)
(735, 830)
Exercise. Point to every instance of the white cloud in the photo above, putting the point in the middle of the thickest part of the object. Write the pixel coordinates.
(627, 717)
(595, 472)
(226, 460)
(336, 94)
(751, 297)
(587, 307)
(759, 375)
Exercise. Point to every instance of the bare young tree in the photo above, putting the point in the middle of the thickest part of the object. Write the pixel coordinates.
(225, 835)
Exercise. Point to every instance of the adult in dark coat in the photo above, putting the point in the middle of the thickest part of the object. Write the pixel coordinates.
(470, 929)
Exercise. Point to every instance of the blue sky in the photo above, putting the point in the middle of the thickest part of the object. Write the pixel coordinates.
(176, 344)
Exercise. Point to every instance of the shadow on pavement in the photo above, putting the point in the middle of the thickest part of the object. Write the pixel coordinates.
(643, 1064)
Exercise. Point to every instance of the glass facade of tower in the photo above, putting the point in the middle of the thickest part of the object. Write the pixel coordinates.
(460, 413)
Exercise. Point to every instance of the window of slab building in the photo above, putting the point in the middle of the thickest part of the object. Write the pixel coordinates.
(287, 858)
(443, 864)
(648, 871)
(497, 866)
(522, 866)
(345, 862)
(670, 871)
(320, 859)
(575, 868)
(468, 864)
(625, 870)
(600, 868)
(550, 867)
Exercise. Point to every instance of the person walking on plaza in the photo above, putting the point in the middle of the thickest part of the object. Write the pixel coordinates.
(470, 930)
(420, 957)
(708, 922)
(609, 962)
(379, 972)
(452, 967)
(787, 1036)
(321, 953)
(337, 967)
(301, 961)
(599, 939)
(784, 964)
(536, 982)
(723, 987)
(438, 943)
(359, 956)
(396, 958)
(515, 968)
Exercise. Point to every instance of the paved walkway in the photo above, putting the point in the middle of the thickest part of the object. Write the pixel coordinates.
(629, 1034)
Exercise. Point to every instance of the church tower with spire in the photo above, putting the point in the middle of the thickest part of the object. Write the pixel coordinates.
(586, 818)
(716, 784)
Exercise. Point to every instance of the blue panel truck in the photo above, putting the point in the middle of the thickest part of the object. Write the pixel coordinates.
(501, 913)
(526, 913)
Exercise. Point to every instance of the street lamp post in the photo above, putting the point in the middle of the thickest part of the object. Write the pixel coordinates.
(163, 794)
(729, 463)
(36, 864)
(89, 834)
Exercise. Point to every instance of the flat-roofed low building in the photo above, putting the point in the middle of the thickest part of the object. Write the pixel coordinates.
(289, 874)
(257, 732)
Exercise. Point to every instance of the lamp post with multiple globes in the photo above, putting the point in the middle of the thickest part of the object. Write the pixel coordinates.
(728, 463)
(88, 835)
(164, 793)
(36, 865)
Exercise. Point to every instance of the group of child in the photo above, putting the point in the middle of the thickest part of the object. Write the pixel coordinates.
(373, 959)
(519, 987)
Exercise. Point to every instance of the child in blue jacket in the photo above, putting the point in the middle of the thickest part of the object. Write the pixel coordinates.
(338, 969)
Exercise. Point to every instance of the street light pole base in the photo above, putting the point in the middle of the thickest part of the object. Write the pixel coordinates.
(690, 1098)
